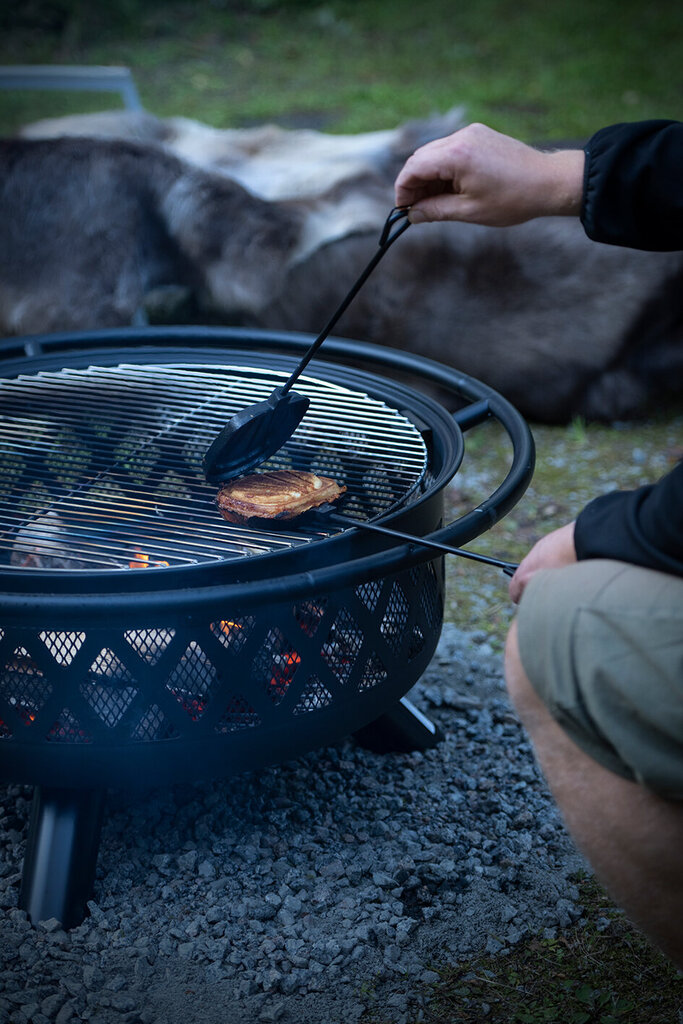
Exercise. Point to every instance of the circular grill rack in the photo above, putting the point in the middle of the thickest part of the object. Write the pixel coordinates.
(123, 675)
(102, 465)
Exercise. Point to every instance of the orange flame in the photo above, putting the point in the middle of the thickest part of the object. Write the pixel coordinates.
(143, 561)
(227, 626)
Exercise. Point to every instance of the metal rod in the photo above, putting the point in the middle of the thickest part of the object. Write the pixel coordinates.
(386, 239)
(509, 568)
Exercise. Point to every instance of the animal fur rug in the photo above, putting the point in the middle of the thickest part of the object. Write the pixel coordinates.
(268, 227)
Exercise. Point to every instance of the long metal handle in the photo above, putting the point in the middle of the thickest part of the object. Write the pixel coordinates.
(387, 238)
(509, 568)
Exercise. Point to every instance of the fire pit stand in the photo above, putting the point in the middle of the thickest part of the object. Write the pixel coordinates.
(143, 640)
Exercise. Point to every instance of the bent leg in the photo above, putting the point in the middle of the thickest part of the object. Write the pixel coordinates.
(632, 838)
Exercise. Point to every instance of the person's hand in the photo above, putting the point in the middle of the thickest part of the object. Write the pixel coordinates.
(553, 551)
(481, 176)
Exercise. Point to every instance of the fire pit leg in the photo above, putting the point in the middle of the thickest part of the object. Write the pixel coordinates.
(61, 854)
(400, 729)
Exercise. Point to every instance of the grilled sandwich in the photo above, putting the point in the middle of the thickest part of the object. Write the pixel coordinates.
(282, 494)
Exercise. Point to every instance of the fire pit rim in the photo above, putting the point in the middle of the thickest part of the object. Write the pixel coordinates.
(371, 557)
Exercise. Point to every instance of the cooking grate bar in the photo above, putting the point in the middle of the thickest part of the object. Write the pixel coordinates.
(103, 466)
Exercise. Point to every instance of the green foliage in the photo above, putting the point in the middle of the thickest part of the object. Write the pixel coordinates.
(539, 70)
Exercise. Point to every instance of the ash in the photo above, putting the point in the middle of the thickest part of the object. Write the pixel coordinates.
(323, 891)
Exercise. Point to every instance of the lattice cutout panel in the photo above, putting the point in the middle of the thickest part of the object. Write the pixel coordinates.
(309, 615)
(374, 674)
(67, 729)
(275, 665)
(342, 647)
(431, 598)
(109, 703)
(149, 644)
(257, 676)
(192, 681)
(63, 646)
(417, 642)
(239, 714)
(233, 633)
(369, 594)
(314, 697)
(108, 665)
(395, 619)
(23, 686)
(152, 725)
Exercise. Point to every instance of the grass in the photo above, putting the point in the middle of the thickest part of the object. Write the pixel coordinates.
(600, 971)
(573, 465)
(535, 69)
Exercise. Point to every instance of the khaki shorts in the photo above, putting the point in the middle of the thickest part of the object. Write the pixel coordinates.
(602, 644)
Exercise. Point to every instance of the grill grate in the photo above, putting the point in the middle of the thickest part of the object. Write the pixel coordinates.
(102, 467)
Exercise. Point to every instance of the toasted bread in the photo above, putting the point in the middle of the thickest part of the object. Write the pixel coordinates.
(282, 494)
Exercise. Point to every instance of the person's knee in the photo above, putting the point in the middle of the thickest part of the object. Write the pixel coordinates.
(526, 702)
(515, 677)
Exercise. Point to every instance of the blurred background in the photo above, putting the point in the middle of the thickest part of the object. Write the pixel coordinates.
(540, 70)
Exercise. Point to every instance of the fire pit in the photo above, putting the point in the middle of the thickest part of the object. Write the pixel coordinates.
(144, 640)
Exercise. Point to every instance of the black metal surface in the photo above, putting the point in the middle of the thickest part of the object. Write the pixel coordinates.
(61, 854)
(259, 431)
(253, 435)
(508, 568)
(160, 675)
(109, 470)
(151, 676)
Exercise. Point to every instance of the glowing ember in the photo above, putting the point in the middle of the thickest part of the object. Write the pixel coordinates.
(284, 667)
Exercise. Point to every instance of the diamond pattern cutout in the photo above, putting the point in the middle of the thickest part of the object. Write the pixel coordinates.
(275, 665)
(430, 599)
(417, 642)
(239, 714)
(233, 633)
(67, 729)
(191, 681)
(110, 703)
(24, 686)
(309, 615)
(369, 594)
(63, 646)
(107, 666)
(152, 725)
(395, 618)
(315, 696)
(150, 644)
(344, 641)
(374, 674)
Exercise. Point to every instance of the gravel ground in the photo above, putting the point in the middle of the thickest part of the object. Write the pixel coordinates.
(317, 891)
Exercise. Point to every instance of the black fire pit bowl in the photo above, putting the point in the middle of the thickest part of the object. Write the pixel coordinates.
(175, 669)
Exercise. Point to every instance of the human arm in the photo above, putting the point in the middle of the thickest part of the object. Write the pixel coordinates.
(632, 187)
(481, 176)
(553, 551)
(642, 526)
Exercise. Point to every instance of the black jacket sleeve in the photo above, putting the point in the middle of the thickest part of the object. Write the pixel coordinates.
(633, 186)
(644, 526)
(633, 196)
